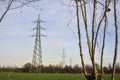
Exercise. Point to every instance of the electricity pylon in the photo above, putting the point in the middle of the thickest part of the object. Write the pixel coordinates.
(63, 63)
(37, 53)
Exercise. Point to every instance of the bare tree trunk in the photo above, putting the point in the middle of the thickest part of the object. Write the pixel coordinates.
(86, 29)
(93, 52)
(5, 12)
(103, 42)
(116, 42)
(93, 25)
(80, 43)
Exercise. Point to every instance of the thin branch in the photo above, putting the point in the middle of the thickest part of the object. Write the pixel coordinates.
(9, 5)
(24, 4)
(99, 25)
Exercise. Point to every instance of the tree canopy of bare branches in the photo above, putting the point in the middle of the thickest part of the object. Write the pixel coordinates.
(13, 4)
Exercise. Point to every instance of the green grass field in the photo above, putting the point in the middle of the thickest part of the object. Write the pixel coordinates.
(45, 76)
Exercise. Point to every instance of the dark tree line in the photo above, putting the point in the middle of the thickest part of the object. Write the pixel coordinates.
(28, 68)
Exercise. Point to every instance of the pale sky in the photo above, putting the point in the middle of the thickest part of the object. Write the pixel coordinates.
(16, 45)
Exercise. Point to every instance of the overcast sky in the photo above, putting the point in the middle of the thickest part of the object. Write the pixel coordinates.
(16, 45)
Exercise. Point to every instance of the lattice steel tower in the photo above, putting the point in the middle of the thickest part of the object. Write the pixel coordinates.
(63, 63)
(37, 53)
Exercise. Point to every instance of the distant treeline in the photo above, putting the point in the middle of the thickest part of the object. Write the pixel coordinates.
(28, 68)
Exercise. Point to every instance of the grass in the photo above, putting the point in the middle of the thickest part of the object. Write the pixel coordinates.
(38, 76)
(46, 76)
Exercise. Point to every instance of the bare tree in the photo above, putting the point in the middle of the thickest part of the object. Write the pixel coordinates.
(10, 5)
(92, 40)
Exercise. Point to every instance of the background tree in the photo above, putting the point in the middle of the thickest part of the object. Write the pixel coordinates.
(77, 69)
(27, 67)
